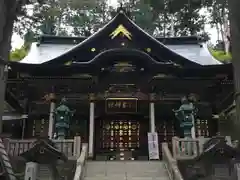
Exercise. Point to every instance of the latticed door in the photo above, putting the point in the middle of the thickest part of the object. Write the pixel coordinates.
(166, 130)
(119, 135)
(40, 128)
(201, 128)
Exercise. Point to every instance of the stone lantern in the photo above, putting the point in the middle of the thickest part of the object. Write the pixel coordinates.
(62, 117)
(185, 114)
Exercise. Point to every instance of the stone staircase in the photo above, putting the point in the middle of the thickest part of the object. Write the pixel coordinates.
(125, 170)
(44, 173)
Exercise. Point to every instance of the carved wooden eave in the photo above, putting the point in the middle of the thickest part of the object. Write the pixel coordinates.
(43, 152)
(218, 146)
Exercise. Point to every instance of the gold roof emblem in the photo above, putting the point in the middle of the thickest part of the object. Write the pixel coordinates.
(121, 29)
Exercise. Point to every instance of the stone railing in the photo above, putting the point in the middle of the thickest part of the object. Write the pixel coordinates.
(70, 147)
(170, 163)
(186, 148)
(81, 161)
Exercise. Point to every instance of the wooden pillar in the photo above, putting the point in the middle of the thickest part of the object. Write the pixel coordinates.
(3, 81)
(235, 50)
(152, 113)
(52, 99)
(91, 126)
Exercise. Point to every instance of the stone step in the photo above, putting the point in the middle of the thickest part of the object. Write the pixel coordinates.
(125, 170)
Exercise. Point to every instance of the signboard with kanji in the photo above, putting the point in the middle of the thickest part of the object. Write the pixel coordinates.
(121, 105)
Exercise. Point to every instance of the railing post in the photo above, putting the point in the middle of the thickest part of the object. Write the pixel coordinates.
(174, 146)
(77, 146)
(201, 141)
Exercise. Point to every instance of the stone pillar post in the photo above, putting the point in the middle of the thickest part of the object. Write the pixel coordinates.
(152, 113)
(193, 131)
(26, 109)
(31, 171)
(51, 115)
(91, 126)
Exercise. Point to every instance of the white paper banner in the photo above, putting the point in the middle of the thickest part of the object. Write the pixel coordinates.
(153, 148)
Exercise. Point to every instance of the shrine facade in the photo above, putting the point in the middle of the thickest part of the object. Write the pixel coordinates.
(120, 83)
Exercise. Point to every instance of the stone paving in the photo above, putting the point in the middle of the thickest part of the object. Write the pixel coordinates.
(125, 170)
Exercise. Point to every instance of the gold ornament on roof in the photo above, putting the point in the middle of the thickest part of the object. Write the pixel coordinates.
(149, 50)
(121, 30)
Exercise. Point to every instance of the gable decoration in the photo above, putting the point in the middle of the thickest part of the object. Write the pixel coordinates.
(121, 30)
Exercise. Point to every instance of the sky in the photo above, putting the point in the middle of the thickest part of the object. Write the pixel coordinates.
(17, 42)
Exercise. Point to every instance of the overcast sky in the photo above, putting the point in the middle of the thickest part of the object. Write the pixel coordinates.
(17, 42)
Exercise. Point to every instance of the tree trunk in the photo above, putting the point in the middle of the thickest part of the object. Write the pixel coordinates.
(7, 17)
(225, 21)
(235, 40)
(218, 32)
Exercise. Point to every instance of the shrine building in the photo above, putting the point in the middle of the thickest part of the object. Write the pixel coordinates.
(121, 84)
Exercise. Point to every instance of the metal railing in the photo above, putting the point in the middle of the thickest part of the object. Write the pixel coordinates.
(70, 147)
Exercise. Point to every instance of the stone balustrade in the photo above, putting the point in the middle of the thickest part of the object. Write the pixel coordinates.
(81, 161)
(70, 147)
(184, 150)
(187, 148)
(170, 163)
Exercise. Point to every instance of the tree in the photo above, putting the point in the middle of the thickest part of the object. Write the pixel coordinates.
(235, 41)
(9, 10)
(220, 19)
(8, 13)
(18, 54)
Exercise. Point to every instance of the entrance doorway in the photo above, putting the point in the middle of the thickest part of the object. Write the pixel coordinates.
(121, 137)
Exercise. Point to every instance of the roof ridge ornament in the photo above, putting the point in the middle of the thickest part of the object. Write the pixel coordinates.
(121, 9)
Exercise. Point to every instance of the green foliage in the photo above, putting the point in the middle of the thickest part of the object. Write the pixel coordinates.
(57, 17)
(82, 18)
(221, 55)
(18, 54)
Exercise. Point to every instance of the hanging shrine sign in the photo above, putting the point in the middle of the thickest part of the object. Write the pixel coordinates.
(121, 105)
(153, 146)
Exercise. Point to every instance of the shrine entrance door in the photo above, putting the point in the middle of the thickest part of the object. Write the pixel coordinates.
(121, 137)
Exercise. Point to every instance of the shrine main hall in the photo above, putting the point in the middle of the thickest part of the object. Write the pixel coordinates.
(120, 84)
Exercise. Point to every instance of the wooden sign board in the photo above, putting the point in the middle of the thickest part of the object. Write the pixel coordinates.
(121, 105)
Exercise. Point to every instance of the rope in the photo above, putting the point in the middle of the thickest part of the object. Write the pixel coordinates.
(6, 161)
